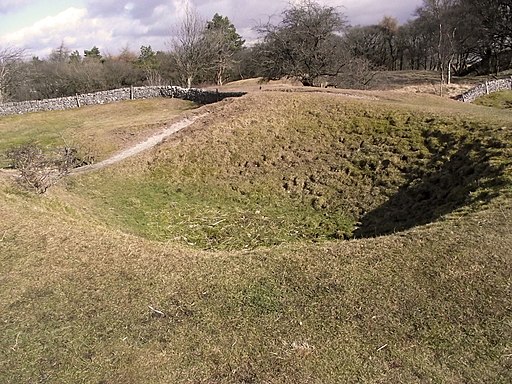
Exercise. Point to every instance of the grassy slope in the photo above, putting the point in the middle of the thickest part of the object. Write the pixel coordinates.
(97, 131)
(501, 100)
(303, 167)
(431, 304)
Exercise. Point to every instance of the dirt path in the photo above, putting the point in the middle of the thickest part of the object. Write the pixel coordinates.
(145, 145)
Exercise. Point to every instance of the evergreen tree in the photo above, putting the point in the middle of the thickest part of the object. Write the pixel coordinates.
(225, 42)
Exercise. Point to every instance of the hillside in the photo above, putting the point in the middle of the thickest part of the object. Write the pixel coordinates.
(287, 237)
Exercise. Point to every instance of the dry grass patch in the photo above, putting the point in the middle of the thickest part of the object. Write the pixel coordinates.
(303, 167)
(501, 100)
(83, 301)
(97, 131)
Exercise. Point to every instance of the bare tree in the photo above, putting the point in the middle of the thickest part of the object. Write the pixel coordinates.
(492, 25)
(60, 54)
(389, 30)
(358, 73)
(368, 42)
(148, 62)
(438, 14)
(305, 44)
(10, 58)
(39, 170)
(190, 50)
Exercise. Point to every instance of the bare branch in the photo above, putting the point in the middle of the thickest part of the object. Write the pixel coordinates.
(189, 49)
(305, 44)
(10, 58)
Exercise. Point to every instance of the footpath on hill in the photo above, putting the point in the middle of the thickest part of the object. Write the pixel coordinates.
(149, 143)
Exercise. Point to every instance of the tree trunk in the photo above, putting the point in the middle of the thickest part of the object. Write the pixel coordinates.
(220, 75)
(449, 69)
(307, 82)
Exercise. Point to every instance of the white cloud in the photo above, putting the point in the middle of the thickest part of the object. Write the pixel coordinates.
(129, 6)
(371, 11)
(115, 24)
(180, 7)
(45, 28)
(78, 30)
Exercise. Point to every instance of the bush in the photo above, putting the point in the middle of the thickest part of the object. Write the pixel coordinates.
(39, 170)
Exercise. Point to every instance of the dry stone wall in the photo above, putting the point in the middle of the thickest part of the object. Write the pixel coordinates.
(485, 89)
(199, 96)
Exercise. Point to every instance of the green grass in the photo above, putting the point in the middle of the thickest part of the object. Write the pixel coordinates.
(97, 131)
(210, 217)
(501, 100)
(427, 306)
(82, 266)
(295, 173)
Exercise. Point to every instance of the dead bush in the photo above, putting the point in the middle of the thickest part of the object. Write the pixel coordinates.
(39, 169)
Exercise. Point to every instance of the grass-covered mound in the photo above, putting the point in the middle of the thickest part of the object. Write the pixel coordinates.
(502, 100)
(82, 301)
(273, 168)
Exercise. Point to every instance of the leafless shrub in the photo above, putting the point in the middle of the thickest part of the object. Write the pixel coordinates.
(358, 73)
(38, 169)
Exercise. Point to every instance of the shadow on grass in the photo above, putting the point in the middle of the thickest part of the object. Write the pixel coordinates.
(459, 174)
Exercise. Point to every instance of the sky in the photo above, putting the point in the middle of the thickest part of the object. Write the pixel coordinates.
(39, 26)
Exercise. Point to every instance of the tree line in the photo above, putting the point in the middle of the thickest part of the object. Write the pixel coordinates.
(311, 42)
(458, 37)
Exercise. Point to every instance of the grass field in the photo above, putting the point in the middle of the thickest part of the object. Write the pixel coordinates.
(287, 237)
(501, 100)
(97, 131)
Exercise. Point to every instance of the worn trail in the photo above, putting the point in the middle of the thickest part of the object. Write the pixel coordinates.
(143, 146)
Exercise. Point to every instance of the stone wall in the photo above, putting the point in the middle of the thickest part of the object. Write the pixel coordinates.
(199, 96)
(485, 89)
